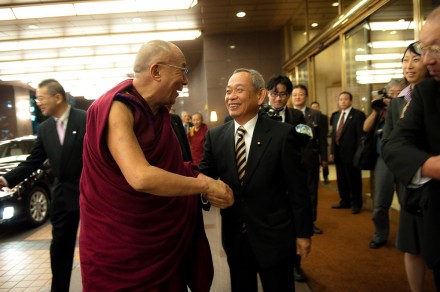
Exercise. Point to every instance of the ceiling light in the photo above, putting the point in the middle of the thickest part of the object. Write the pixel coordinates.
(6, 14)
(32, 26)
(314, 24)
(136, 20)
(115, 39)
(391, 25)
(41, 11)
(241, 14)
(390, 44)
(92, 8)
(335, 4)
(232, 46)
(376, 57)
(387, 65)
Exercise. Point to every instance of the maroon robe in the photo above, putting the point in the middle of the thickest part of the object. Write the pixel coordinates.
(129, 240)
(196, 141)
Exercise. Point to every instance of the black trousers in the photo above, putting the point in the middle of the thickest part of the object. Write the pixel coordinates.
(311, 164)
(436, 271)
(62, 248)
(349, 182)
(244, 269)
(325, 172)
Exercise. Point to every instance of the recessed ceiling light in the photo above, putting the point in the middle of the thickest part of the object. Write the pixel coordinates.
(137, 20)
(32, 26)
(393, 32)
(335, 4)
(315, 24)
(232, 46)
(305, 33)
(241, 14)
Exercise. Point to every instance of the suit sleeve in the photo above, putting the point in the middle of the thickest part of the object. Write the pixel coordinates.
(403, 150)
(388, 127)
(323, 133)
(207, 165)
(32, 163)
(294, 176)
(359, 126)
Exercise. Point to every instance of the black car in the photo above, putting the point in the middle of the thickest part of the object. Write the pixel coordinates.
(30, 199)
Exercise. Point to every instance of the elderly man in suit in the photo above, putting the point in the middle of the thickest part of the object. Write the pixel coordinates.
(412, 152)
(259, 159)
(60, 139)
(348, 123)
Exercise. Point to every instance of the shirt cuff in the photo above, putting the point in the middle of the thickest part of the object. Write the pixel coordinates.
(4, 181)
(418, 180)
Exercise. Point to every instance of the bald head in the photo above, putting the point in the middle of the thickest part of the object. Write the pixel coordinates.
(154, 52)
(430, 42)
(434, 15)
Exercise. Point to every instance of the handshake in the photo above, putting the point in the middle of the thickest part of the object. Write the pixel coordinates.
(219, 194)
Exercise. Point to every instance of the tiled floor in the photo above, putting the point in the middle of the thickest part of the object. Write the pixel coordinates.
(25, 263)
(24, 259)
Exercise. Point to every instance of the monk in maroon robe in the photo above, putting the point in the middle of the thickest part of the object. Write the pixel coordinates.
(141, 225)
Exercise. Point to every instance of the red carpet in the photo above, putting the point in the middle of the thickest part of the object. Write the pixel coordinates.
(341, 259)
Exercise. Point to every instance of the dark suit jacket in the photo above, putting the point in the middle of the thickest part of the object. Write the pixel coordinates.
(179, 130)
(294, 116)
(412, 142)
(65, 160)
(351, 134)
(273, 201)
(318, 144)
(394, 112)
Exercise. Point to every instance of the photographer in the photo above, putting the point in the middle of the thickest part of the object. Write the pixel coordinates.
(384, 186)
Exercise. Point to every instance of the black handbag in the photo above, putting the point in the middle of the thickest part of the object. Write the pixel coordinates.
(365, 156)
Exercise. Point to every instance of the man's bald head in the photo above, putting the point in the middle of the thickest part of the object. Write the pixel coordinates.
(434, 15)
(153, 52)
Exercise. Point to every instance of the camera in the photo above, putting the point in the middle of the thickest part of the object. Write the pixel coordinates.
(379, 103)
(267, 111)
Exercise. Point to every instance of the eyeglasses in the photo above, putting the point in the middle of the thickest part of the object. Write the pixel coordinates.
(184, 70)
(280, 94)
(434, 50)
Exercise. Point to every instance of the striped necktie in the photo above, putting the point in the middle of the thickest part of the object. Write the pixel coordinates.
(240, 153)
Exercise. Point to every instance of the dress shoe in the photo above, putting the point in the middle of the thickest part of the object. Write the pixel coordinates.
(355, 210)
(299, 275)
(376, 245)
(316, 230)
(341, 206)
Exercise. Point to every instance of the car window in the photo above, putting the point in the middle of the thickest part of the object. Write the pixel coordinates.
(14, 148)
(3, 150)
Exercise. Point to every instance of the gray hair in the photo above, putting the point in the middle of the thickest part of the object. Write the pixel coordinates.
(257, 78)
(396, 82)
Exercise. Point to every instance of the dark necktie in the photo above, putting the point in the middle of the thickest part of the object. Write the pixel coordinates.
(339, 130)
(240, 153)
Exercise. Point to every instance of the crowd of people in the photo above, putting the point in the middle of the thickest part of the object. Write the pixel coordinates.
(138, 175)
